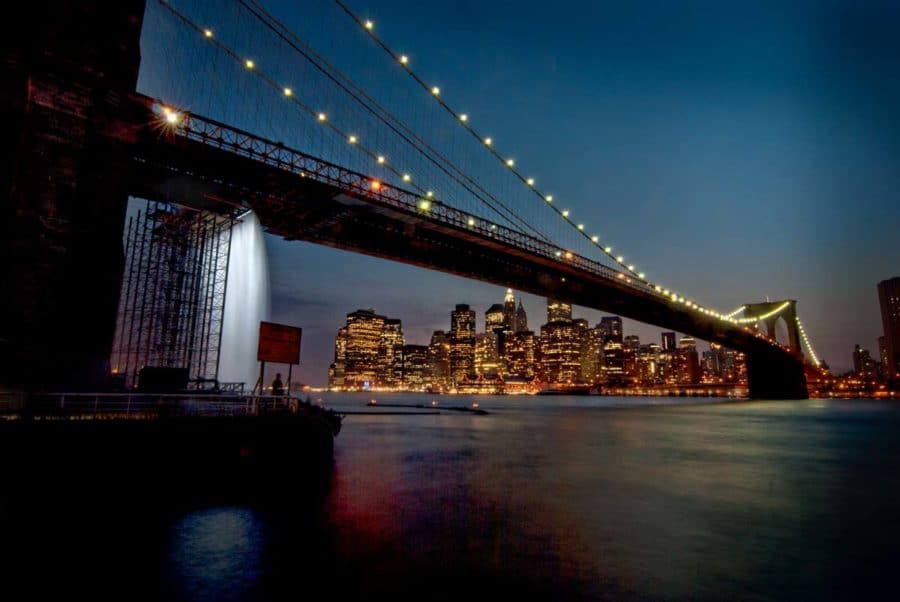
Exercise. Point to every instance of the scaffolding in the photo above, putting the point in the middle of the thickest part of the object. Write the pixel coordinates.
(172, 302)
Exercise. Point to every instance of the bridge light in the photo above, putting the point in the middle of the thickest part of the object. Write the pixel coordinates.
(581, 226)
(369, 25)
(608, 249)
(376, 185)
(404, 59)
(288, 92)
(549, 198)
(658, 289)
(381, 159)
(208, 33)
(249, 64)
(674, 297)
(620, 259)
(510, 162)
(464, 118)
(407, 177)
(493, 226)
(559, 253)
(595, 239)
(568, 254)
(565, 213)
(471, 221)
(631, 268)
(429, 194)
(425, 205)
(530, 181)
(641, 275)
(488, 141)
(435, 90)
(322, 116)
(352, 139)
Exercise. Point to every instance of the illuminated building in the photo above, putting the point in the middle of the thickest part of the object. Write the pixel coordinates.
(863, 365)
(591, 355)
(487, 356)
(889, 299)
(559, 346)
(883, 357)
(647, 365)
(416, 371)
(509, 311)
(462, 342)
(613, 367)
(439, 360)
(390, 355)
(687, 362)
(557, 311)
(356, 362)
(519, 351)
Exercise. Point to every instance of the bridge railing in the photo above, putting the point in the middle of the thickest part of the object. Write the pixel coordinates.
(219, 135)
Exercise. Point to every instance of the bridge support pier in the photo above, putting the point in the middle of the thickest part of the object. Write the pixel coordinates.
(65, 74)
(774, 375)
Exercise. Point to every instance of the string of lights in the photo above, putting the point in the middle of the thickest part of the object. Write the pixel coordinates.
(809, 347)
(487, 142)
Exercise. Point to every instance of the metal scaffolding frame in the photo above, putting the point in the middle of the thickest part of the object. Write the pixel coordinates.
(172, 302)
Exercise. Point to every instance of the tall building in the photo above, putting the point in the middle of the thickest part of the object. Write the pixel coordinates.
(668, 341)
(560, 353)
(863, 364)
(592, 355)
(439, 360)
(356, 363)
(558, 311)
(509, 311)
(687, 362)
(883, 358)
(390, 354)
(487, 357)
(462, 342)
(416, 373)
(647, 364)
(889, 299)
(611, 327)
(519, 352)
(494, 317)
(521, 324)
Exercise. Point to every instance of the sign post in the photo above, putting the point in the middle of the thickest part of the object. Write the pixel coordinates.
(278, 343)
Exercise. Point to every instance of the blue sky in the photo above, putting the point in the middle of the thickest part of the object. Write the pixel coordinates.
(737, 150)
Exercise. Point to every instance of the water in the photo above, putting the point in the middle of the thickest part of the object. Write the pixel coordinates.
(246, 302)
(546, 498)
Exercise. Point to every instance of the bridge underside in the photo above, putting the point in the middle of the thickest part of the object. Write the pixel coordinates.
(189, 172)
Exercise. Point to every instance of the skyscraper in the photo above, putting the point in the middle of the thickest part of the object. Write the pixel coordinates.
(611, 327)
(560, 352)
(889, 299)
(356, 362)
(519, 353)
(509, 311)
(668, 341)
(390, 354)
(462, 342)
(558, 311)
(521, 324)
(439, 360)
(687, 363)
(416, 375)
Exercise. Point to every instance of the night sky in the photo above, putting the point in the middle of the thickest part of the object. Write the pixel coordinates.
(738, 150)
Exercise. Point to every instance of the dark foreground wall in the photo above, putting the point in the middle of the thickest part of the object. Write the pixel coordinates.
(64, 71)
(183, 455)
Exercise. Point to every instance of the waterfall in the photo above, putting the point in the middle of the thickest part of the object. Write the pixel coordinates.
(246, 302)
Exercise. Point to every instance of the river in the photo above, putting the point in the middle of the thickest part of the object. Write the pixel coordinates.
(544, 498)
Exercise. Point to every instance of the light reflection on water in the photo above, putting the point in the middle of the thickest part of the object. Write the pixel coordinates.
(555, 499)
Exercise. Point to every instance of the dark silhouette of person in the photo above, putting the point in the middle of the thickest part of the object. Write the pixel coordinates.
(277, 386)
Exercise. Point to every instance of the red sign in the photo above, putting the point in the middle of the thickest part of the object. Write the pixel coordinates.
(279, 343)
